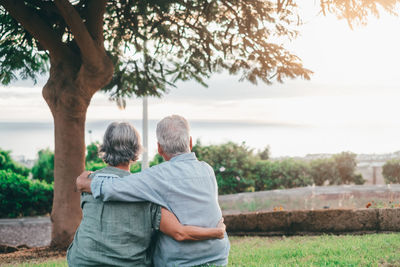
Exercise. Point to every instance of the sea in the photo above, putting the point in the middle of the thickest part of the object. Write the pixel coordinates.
(25, 139)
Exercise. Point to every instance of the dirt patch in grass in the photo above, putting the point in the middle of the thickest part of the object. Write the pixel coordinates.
(40, 254)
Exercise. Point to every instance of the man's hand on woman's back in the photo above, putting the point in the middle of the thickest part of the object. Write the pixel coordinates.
(83, 182)
(221, 226)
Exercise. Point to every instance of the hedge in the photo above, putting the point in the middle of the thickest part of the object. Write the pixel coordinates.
(391, 171)
(237, 169)
(241, 169)
(44, 166)
(21, 196)
(7, 163)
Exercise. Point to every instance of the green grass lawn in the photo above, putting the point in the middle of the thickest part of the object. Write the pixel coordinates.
(50, 263)
(327, 250)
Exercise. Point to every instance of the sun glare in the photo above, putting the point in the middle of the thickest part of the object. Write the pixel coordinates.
(338, 54)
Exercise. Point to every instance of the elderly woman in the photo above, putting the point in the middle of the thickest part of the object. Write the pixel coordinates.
(122, 233)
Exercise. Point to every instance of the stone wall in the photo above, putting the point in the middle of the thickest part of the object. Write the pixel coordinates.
(335, 221)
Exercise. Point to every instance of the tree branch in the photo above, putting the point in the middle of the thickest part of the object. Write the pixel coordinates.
(89, 51)
(94, 23)
(39, 29)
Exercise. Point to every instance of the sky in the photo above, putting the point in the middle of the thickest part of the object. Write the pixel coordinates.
(355, 85)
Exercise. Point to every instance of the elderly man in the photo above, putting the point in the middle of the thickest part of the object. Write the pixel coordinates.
(183, 185)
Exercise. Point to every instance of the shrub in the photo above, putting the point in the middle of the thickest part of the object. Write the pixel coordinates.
(97, 164)
(345, 164)
(94, 166)
(264, 154)
(358, 179)
(136, 167)
(322, 170)
(92, 161)
(44, 166)
(339, 169)
(265, 173)
(391, 171)
(288, 173)
(294, 173)
(92, 153)
(20, 196)
(156, 160)
(233, 165)
(7, 163)
(238, 169)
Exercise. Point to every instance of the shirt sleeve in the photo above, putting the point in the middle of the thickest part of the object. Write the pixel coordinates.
(137, 187)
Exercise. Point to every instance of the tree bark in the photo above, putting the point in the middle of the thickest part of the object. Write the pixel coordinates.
(69, 162)
(68, 93)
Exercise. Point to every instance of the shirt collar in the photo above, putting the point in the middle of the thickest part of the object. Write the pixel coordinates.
(185, 156)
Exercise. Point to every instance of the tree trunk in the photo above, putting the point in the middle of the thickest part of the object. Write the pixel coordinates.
(79, 68)
(69, 162)
(68, 93)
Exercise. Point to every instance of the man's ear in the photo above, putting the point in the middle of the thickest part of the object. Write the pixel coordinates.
(160, 150)
(191, 144)
(162, 153)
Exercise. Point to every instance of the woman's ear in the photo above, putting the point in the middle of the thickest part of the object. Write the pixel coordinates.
(190, 144)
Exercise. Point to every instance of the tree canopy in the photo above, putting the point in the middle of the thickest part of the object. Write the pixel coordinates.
(153, 44)
(358, 11)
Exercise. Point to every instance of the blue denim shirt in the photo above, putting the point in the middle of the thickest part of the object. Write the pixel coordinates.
(188, 188)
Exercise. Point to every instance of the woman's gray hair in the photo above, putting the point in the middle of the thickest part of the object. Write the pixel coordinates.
(121, 144)
(173, 135)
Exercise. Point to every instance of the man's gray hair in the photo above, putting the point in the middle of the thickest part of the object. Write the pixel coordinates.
(121, 144)
(173, 135)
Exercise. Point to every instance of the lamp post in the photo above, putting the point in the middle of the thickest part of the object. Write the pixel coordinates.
(145, 158)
